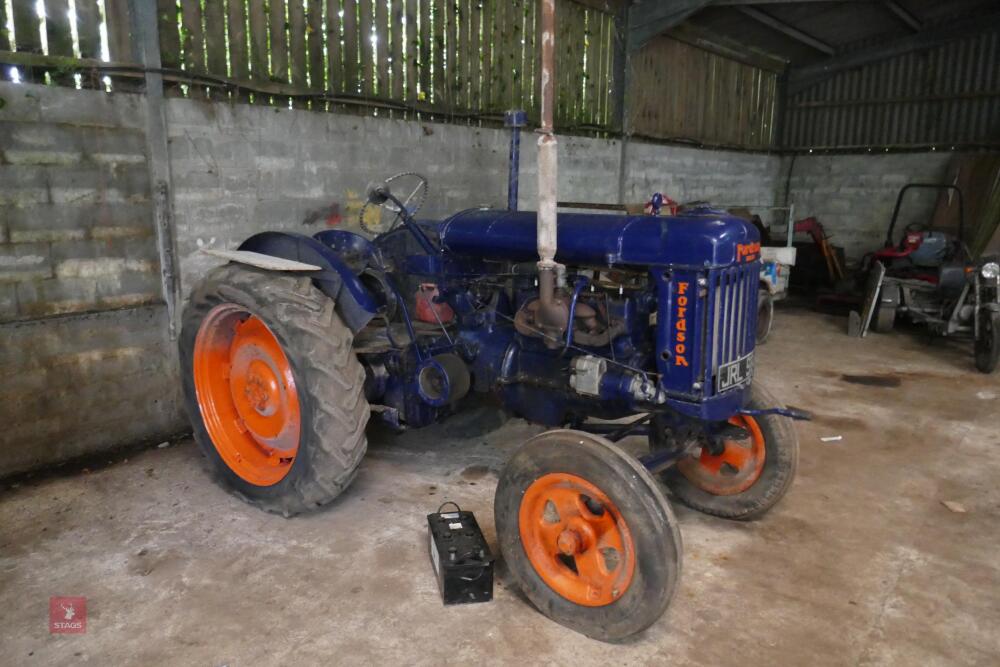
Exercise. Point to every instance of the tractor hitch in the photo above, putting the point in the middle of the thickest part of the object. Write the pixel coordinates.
(791, 413)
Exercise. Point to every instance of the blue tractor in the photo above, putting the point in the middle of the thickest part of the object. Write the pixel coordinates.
(644, 323)
(291, 346)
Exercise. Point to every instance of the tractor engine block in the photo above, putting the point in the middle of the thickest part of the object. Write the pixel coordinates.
(660, 314)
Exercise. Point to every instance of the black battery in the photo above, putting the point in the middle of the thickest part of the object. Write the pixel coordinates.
(462, 560)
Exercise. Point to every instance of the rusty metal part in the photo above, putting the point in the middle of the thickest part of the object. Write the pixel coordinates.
(588, 329)
(553, 307)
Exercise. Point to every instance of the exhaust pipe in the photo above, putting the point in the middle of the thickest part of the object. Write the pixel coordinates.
(553, 314)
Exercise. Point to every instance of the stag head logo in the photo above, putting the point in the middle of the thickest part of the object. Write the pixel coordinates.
(67, 615)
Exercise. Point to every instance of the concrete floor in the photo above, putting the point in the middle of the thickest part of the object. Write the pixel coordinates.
(861, 564)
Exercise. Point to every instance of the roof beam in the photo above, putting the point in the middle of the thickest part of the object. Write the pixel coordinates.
(803, 77)
(789, 30)
(904, 15)
(649, 18)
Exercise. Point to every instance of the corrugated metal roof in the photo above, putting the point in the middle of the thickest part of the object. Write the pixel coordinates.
(843, 25)
(941, 97)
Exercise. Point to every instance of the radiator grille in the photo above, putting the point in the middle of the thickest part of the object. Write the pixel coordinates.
(732, 316)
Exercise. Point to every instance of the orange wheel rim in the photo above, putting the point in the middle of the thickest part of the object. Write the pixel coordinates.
(732, 471)
(576, 539)
(247, 396)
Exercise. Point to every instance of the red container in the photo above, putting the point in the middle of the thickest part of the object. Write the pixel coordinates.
(430, 311)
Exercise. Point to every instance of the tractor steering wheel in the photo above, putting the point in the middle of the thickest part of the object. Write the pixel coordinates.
(381, 218)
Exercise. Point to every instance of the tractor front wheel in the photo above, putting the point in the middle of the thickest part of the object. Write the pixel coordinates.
(587, 534)
(748, 477)
(272, 388)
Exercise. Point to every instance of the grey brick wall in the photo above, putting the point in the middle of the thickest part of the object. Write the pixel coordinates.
(85, 383)
(691, 174)
(242, 169)
(76, 230)
(85, 357)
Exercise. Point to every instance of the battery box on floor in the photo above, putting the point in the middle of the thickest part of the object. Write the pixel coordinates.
(462, 560)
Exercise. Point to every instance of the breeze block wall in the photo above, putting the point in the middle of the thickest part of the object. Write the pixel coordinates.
(84, 352)
(732, 178)
(240, 169)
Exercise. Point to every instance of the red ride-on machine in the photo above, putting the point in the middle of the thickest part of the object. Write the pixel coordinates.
(922, 250)
(930, 278)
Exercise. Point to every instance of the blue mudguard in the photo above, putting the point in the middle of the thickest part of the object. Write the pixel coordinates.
(354, 303)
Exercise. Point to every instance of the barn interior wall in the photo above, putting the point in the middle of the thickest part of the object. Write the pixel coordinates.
(84, 346)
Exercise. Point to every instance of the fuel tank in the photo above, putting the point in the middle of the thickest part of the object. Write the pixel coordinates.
(700, 238)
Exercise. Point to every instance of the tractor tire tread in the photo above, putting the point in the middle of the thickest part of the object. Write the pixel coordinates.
(637, 495)
(333, 385)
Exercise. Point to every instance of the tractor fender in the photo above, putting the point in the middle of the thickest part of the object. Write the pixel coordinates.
(354, 303)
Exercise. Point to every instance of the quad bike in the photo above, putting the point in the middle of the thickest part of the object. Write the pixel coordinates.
(289, 348)
(930, 278)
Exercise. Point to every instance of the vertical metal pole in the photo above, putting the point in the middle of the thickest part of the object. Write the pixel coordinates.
(515, 160)
(791, 226)
(515, 119)
(146, 50)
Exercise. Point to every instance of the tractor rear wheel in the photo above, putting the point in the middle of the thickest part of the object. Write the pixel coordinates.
(587, 534)
(988, 343)
(748, 477)
(272, 388)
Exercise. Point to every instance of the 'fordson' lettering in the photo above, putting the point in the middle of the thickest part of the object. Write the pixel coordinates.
(747, 252)
(681, 326)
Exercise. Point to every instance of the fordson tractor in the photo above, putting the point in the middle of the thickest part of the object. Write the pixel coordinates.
(596, 326)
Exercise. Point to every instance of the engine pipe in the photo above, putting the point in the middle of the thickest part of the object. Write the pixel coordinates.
(553, 313)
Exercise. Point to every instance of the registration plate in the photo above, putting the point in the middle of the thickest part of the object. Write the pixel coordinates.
(735, 373)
